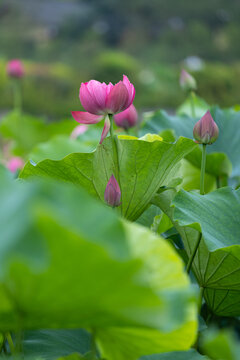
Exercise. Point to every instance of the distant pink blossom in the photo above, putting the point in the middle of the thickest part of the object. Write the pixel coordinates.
(187, 81)
(127, 118)
(15, 68)
(15, 163)
(100, 100)
(79, 130)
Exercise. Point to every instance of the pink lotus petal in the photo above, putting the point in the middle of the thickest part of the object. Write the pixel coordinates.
(79, 130)
(88, 100)
(106, 129)
(130, 89)
(99, 93)
(117, 98)
(84, 117)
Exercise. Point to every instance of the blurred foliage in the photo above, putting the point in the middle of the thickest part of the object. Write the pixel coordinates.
(53, 89)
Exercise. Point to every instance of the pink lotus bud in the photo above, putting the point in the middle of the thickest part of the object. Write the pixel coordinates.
(15, 68)
(127, 118)
(187, 81)
(14, 164)
(112, 193)
(79, 130)
(206, 130)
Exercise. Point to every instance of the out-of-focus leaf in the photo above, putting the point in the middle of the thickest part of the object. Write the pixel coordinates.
(144, 167)
(60, 268)
(176, 355)
(200, 106)
(52, 344)
(26, 131)
(58, 147)
(220, 345)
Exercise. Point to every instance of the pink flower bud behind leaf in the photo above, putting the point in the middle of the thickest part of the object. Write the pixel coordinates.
(112, 193)
(15, 68)
(187, 81)
(15, 163)
(127, 118)
(206, 130)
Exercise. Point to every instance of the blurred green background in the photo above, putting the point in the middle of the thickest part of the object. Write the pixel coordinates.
(65, 42)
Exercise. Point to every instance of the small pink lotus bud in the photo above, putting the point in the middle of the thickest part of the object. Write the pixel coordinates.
(127, 118)
(15, 68)
(112, 193)
(15, 163)
(206, 130)
(187, 81)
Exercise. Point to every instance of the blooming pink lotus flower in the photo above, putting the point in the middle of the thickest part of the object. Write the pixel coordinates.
(187, 81)
(79, 130)
(15, 163)
(112, 193)
(15, 68)
(206, 130)
(100, 100)
(127, 118)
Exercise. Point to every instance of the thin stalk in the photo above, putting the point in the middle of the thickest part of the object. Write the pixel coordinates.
(190, 261)
(200, 299)
(10, 343)
(192, 98)
(17, 95)
(114, 147)
(203, 166)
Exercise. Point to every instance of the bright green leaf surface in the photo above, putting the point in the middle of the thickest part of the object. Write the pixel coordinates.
(144, 167)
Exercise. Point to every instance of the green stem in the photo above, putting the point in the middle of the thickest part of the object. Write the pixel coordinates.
(191, 258)
(17, 95)
(10, 343)
(192, 98)
(203, 165)
(200, 299)
(114, 148)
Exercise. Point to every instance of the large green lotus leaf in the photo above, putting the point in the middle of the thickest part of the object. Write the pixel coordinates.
(217, 262)
(227, 142)
(58, 147)
(144, 167)
(68, 261)
(26, 131)
(177, 355)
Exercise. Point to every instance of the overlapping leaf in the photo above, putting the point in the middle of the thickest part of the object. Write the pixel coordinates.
(217, 263)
